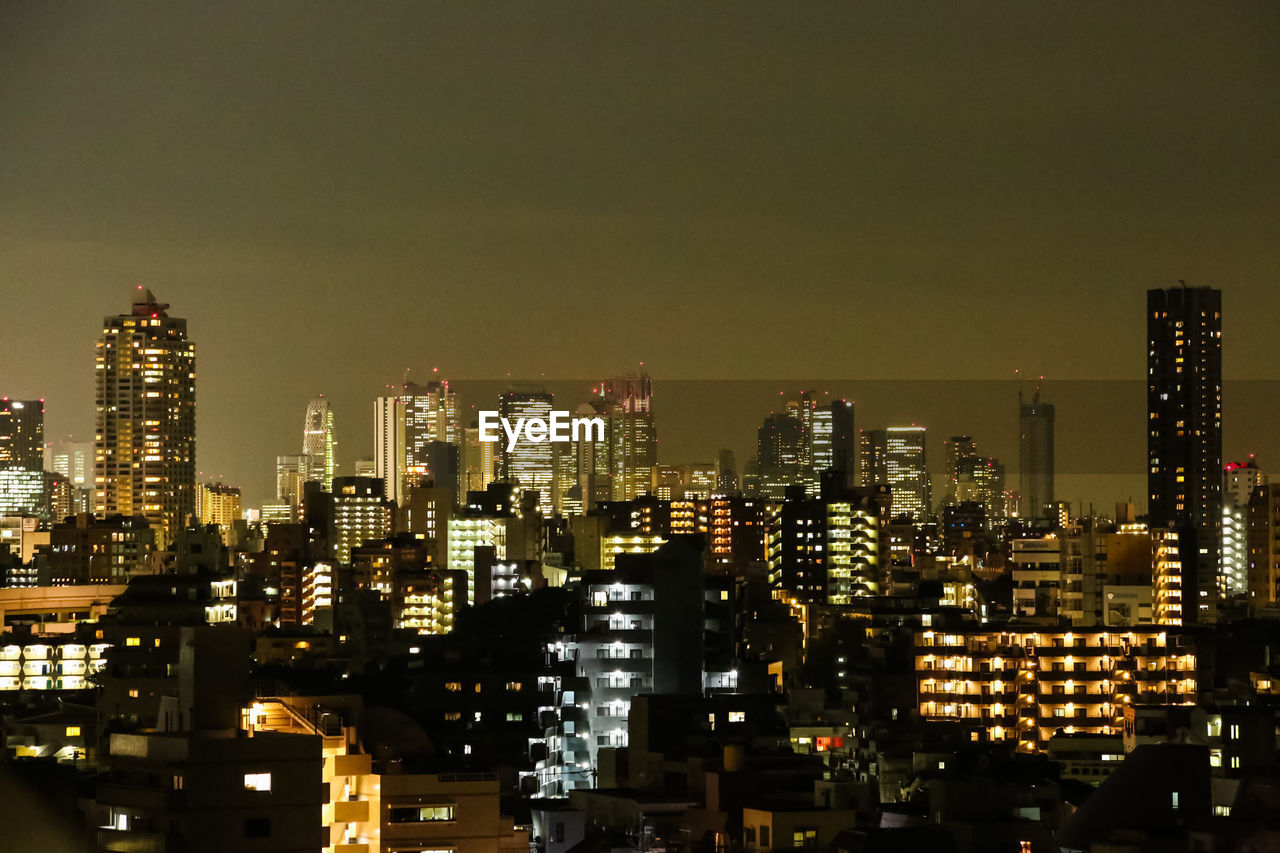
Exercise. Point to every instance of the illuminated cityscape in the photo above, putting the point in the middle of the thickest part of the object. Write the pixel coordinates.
(790, 430)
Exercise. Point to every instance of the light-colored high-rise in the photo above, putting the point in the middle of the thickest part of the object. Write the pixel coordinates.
(290, 477)
(145, 436)
(388, 445)
(1238, 482)
(319, 445)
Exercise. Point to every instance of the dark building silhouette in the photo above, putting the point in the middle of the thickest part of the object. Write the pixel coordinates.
(1184, 434)
(1035, 456)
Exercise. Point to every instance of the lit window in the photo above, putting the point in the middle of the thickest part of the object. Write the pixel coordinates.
(419, 814)
(257, 781)
(737, 716)
(73, 731)
(133, 694)
(453, 686)
(133, 641)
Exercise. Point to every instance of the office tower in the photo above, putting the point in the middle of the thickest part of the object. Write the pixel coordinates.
(388, 446)
(1035, 456)
(480, 461)
(960, 461)
(781, 452)
(430, 415)
(319, 445)
(988, 487)
(1238, 482)
(73, 460)
(567, 497)
(290, 477)
(530, 465)
(22, 434)
(24, 492)
(1184, 434)
(218, 503)
(360, 513)
(633, 436)
(145, 440)
(895, 456)
(365, 467)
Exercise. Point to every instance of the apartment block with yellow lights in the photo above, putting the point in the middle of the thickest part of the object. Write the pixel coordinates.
(1021, 685)
(367, 810)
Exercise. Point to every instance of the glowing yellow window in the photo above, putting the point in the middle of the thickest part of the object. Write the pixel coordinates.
(133, 641)
(257, 781)
(73, 731)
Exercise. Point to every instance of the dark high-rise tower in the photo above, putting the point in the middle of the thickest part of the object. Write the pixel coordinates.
(1184, 434)
(1035, 456)
(145, 442)
(844, 440)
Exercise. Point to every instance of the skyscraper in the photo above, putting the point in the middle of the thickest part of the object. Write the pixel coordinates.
(22, 434)
(145, 437)
(1035, 456)
(781, 451)
(290, 479)
(844, 439)
(633, 437)
(388, 445)
(529, 464)
(319, 446)
(1184, 435)
(960, 460)
(430, 415)
(895, 457)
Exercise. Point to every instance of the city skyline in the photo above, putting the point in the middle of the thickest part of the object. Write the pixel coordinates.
(964, 406)
(846, 186)
(640, 427)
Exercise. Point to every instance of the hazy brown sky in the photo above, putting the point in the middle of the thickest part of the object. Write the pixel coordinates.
(334, 192)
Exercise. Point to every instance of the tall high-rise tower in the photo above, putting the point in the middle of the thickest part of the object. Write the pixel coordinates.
(145, 437)
(1035, 456)
(388, 446)
(633, 436)
(529, 464)
(1184, 435)
(430, 416)
(319, 446)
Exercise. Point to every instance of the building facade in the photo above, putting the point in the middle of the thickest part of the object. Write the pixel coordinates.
(145, 437)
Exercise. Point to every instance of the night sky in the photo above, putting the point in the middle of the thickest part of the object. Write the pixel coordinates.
(333, 193)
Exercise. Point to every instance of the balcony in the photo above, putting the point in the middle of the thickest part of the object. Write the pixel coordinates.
(351, 811)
